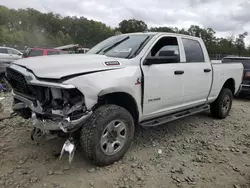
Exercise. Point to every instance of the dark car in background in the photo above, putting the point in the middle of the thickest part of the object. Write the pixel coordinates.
(246, 73)
(32, 52)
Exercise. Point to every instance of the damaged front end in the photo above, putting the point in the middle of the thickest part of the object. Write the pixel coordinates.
(52, 108)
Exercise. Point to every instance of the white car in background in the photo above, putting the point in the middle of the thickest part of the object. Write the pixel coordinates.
(7, 55)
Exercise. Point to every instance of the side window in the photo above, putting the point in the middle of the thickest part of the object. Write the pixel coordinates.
(193, 50)
(49, 52)
(166, 49)
(10, 51)
(34, 53)
(63, 52)
(3, 51)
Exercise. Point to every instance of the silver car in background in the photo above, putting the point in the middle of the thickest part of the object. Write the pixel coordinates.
(8, 55)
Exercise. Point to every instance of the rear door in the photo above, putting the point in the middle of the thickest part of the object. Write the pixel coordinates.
(14, 54)
(4, 55)
(197, 77)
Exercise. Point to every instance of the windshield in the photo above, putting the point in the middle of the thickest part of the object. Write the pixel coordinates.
(244, 61)
(121, 46)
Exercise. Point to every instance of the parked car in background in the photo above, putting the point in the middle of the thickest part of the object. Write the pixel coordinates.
(7, 55)
(32, 52)
(73, 49)
(245, 90)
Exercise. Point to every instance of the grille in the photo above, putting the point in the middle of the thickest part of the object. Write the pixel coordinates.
(18, 82)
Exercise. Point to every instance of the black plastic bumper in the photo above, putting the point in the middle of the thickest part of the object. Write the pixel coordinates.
(245, 89)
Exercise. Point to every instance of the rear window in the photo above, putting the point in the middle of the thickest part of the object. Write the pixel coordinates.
(193, 51)
(244, 61)
(34, 53)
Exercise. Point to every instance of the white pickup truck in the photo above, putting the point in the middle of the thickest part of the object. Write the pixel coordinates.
(127, 80)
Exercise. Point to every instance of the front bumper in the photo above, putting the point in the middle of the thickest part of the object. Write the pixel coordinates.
(61, 123)
(66, 125)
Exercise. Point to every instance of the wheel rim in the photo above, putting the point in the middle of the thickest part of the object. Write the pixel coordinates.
(114, 136)
(226, 104)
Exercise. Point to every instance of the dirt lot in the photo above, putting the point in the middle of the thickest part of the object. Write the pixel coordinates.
(196, 151)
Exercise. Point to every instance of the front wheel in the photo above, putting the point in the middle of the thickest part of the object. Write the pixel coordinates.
(107, 135)
(221, 107)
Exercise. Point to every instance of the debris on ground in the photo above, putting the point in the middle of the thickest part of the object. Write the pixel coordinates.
(197, 151)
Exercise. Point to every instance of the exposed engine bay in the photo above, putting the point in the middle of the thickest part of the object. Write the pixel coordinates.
(51, 108)
(55, 110)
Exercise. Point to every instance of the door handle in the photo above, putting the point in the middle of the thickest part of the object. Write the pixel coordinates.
(178, 72)
(207, 70)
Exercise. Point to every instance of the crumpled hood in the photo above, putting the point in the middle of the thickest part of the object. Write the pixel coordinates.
(59, 66)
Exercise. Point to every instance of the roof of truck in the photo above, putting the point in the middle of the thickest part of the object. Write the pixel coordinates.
(160, 33)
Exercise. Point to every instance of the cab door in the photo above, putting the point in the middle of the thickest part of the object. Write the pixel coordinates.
(163, 77)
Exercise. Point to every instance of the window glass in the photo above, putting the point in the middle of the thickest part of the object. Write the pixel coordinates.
(10, 51)
(193, 50)
(63, 52)
(3, 50)
(49, 52)
(172, 49)
(122, 46)
(165, 50)
(36, 53)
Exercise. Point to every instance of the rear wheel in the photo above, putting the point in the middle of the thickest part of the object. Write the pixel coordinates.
(221, 107)
(107, 135)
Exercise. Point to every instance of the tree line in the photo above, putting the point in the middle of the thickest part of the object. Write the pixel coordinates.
(31, 28)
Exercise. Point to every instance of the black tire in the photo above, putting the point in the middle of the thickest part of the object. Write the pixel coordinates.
(92, 131)
(217, 109)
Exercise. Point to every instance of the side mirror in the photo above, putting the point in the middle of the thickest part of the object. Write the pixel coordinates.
(161, 60)
(149, 61)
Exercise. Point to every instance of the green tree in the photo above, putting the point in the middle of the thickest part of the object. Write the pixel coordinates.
(132, 25)
(29, 27)
(240, 44)
(162, 29)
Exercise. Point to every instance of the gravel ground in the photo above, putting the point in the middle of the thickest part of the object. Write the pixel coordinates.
(197, 151)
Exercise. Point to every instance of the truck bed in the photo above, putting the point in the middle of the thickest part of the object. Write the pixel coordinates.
(220, 76)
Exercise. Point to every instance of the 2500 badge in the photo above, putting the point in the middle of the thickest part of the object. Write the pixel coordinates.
(155, 99)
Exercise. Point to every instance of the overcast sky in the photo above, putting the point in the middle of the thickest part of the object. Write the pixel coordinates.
(226, 17)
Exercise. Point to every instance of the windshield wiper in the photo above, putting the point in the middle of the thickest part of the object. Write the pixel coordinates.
(115, 44)
(139, 47)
